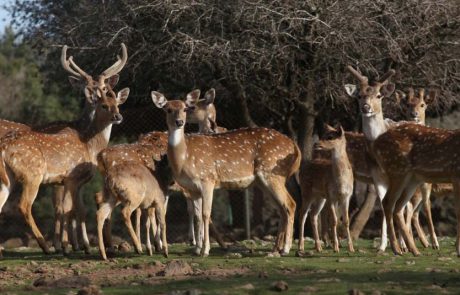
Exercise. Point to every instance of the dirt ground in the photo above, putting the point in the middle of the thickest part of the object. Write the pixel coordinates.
(247, 268)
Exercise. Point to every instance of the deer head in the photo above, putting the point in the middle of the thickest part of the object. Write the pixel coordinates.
(176, 110)
(202, 111)
(370, 94)
(414, 106)
(333, 138)
(93, 88)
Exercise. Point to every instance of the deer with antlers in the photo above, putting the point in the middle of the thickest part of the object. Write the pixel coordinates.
(370, 96)
(327, 181)
(232, 160)
(67, 157)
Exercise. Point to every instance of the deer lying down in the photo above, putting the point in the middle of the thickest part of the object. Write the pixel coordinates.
(232, 160)
(327, 181)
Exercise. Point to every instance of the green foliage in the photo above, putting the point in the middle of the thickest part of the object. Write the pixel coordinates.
(24, 96)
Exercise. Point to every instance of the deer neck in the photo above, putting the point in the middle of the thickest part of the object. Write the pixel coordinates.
(374, 126)
(341, 167)
(177, 149)
(94, 133)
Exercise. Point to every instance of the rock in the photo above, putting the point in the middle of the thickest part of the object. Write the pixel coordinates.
(268, 238)
(124, 247)
(355, 292)
(177, 268)
(90, 290)
(343, 260)
(70, 282)
(33, 263)
(310, 289)
(410, 262)
(234, 255)
(280, 286)
(329, 280)
(273, 255)
(13, 243)
(445, 259)
(41, 281)
(248, 286)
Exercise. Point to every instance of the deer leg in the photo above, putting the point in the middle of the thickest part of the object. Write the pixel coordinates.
(29, 193)
(381, 186)
(303, 213)
(407, 193)
(333, 214)
(4, 193)
(58, 199)
(80, 212)
(138, 223)
(191, 229)
(74, 233)
(456, 184)
(153, 227)
(316, 210)
(207, 193)
(148, 245)
(161, 213)
(126, 213)
(346, 220)
(108, 235)
(416, 204)
(402, 243)
(104, 211)
(426, 193)
(278, 189)
(66, 208)
(197, 205)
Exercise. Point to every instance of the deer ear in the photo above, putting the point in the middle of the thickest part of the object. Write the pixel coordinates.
(431, 97)
(351, 90)
(328, 127)
(91, 96)
(113, 80)
(76, 82)
(387, 89)
(210, 96)
(192, 97)
(340, 131)
(400, 95)
(122, 95)
(158, 99)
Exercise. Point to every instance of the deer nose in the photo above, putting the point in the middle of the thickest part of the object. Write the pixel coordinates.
(117, 118)
(179, 123)
(414, 114)
(366, 108)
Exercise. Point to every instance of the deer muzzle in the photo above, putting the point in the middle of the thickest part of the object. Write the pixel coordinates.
(180, 123)
(117, 118)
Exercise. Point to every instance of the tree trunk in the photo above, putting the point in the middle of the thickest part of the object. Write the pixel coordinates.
(364, 213)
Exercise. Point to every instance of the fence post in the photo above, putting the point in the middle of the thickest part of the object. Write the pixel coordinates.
(247, 214)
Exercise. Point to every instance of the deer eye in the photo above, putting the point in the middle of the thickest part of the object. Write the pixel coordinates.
(422, 105)
(379, 96)
(105, 107)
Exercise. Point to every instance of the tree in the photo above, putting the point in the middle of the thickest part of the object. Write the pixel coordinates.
(24, 98)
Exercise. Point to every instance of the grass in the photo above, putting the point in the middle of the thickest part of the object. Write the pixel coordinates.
(433, 272)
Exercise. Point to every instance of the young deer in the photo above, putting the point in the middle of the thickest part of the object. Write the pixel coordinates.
(67, 157)
(127, 182)
(232, 160)
(328, 180)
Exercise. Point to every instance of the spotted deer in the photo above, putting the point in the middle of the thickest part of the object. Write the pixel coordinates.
(414, 106)
(327, 181)
(232, 160)
(370, 96)
(127, 182)
(67, 157)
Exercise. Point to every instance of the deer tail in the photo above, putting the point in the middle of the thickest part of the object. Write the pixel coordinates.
(297, 160)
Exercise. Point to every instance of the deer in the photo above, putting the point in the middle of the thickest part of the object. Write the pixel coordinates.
(232, 160)
(67, 157)
(327, 181)
(369, 96)
(127, 182)
(414, 108)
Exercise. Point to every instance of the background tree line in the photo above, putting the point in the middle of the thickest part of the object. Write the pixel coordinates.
(278, 64)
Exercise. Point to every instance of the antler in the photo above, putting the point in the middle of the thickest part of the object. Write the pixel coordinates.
(421, 93)
(67, 63)
(410, 94)
(384, 79)
(118, 65)
(361, 78)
